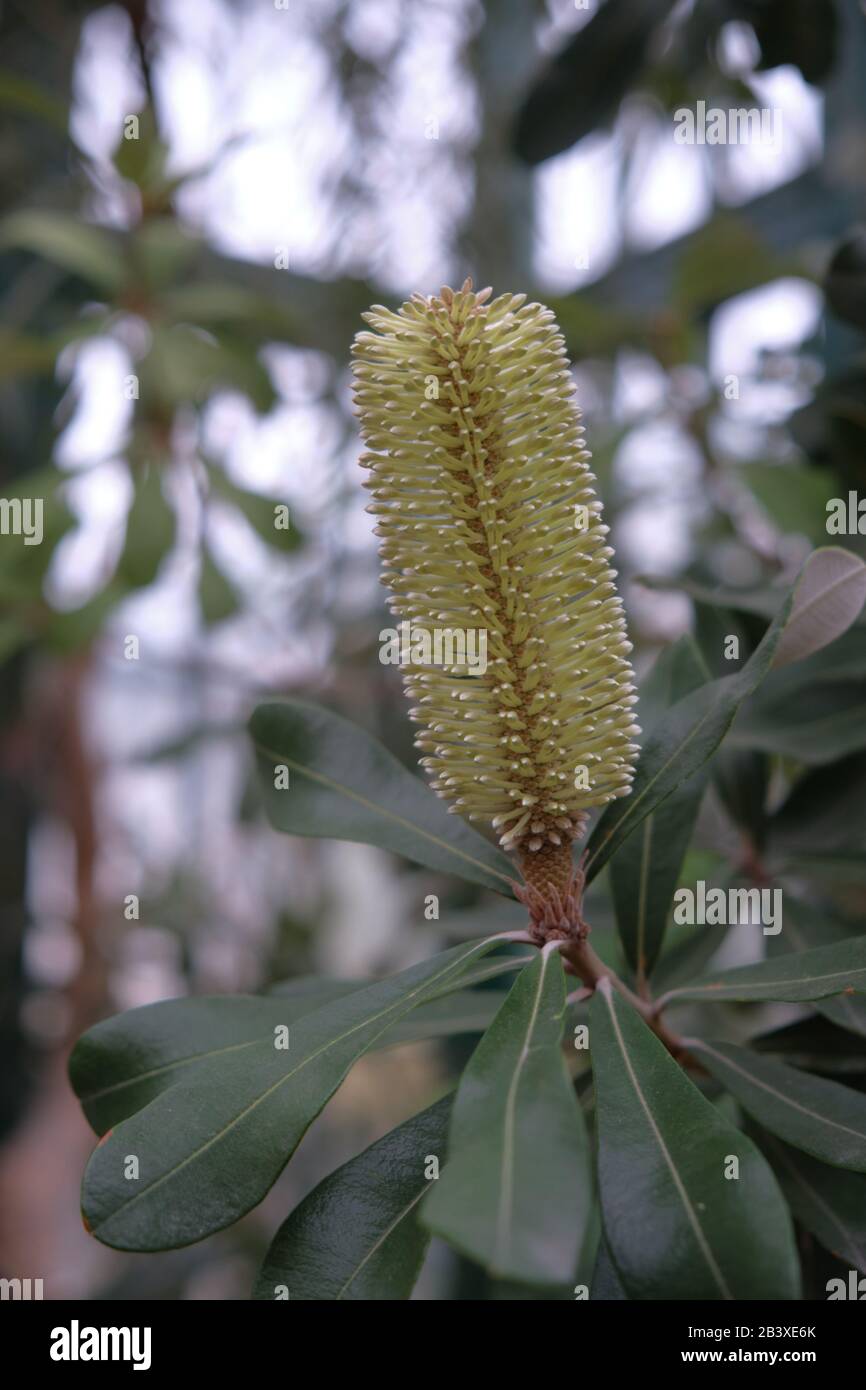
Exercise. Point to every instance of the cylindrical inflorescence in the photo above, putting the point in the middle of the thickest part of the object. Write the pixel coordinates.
(490, 528)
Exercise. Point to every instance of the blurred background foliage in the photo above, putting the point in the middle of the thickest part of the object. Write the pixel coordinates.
(197, 203)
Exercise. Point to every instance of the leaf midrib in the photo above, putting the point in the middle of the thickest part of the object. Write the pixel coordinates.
(717, 990)
(332, 1042)
(515, 963)
(386, 1235)
(835, 1220)
(691, 1214)
(701, 1046)
(797, 615)
(505, 1208)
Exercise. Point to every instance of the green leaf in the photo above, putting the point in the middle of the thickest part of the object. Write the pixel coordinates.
(23, 97)
(741, 777)
(162, 251)
(141, 159)
(794, 497)
(516, 1191)
(606, 1283)
(816, 726)
(806, 35)
(123, 1063)
(822, 812)
(808, 928)
(828, 597)
(677, 671)
(582, 86)
(211, 1146)
(268, 516)
(816, 974)
(822, 603)
(683, 961)
(93, 253)
(343, 785)
(36, 517)
(465, 1011)
(815, 1044)
(828, 1201)
(645, 872)
(845, 283)
(186, 364)
(357, 1236)
(677, 1227)
(679, 746)
(150, 527)
(763, 600)
(821, 1117)
(120, 1065)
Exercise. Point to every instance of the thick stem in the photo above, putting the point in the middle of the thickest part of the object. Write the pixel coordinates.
(552, 890)
(588, 966)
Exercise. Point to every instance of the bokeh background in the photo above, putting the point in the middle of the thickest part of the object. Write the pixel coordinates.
(179, 295)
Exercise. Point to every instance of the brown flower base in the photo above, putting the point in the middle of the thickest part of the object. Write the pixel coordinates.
(552, 892)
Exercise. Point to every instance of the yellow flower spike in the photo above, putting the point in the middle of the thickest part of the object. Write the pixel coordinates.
(489, 524)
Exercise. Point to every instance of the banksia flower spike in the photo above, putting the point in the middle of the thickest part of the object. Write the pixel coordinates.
(489, 524)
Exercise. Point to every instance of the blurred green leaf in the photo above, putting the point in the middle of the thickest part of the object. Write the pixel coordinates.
(21, 96)
(140, 155)
(162, 251)
(818, 725)
(269, 516)
(686, 960)
(801, 32)
(185, 364)
(815, 1044)
(765, 600)
(679, 746)
(845, 283)
(582, 86)
(825, 600)
(35, 517)
(795, 499)
(724, 257)
(823, 811)
(644, 874)
(150, 528)
(79, 247)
